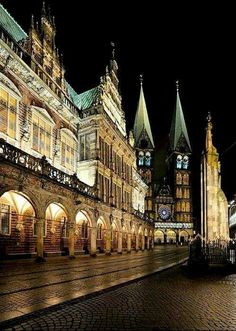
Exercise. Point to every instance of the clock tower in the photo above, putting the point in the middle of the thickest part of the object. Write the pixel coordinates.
(179, 165)
(144, 145)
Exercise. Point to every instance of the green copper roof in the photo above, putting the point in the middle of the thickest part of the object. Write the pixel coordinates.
(11, 26)
(178, 126)
(83, 100)
(141, 119)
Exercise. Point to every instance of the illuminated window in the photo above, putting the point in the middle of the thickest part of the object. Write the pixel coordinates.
(186, 179)
(41, 135)
(4, 219)
(141, 158)
(8, 110)
(178, 178)
(68, 151)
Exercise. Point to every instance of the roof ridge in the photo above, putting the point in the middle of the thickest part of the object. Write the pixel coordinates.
(12, 18)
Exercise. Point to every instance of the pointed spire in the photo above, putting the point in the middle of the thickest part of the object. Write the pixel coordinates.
(141, 123)
(178, 126)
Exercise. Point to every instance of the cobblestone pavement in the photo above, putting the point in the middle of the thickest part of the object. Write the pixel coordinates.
(26, 286)
(170, 300)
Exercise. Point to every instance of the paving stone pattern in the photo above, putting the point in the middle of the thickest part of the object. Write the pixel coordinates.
(170, 300)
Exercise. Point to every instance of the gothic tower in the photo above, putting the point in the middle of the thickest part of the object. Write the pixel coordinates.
(179, 164)
(214, 206)
(144, 145)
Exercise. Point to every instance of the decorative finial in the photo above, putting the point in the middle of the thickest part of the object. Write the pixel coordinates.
(141, 79)
(43, 9)
(209, 117)
(177, 85)
(113, 50)
(32, 21)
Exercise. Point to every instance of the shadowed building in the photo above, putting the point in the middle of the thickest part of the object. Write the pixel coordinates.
(173, 200)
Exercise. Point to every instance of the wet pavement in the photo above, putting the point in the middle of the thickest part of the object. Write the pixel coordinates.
(174, 299)
(26, 286)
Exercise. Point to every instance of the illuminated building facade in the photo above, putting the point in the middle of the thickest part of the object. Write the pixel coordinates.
(68, 181)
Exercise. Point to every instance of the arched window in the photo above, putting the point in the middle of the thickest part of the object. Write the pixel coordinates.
(178, 206)
(141, 158)
(179, 162)
(186, 179)
(178, 178)
(187, 206)
(148, 159)
(183, 206)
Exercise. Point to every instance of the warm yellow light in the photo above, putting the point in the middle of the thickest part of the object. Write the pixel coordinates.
(18, 202)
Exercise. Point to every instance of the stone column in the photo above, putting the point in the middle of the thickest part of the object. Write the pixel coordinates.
(93, 248)
(40, 234)
(143, 242)
(148, 243)
(119, 250)
(108, 242)
(137, 242)
(71, 240)
(129, 243)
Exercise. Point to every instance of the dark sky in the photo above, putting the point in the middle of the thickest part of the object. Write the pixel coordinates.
(194, 44)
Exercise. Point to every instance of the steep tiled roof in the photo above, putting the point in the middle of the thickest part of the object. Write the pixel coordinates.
(178, 126)
(83, 100)
(141, 120)
(11, 26)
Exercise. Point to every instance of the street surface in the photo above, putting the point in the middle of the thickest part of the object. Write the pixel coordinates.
(170, 300)
(26, 286)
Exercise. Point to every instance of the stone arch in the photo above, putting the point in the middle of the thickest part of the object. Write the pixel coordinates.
(30, 196)
(63, 204)
(183, 236)
(57, 225)
(158, 237)
(171, 236)
(17, 218)
(101, 230)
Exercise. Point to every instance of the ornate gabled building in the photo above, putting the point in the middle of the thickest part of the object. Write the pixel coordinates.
(68, 171)
(214, 204)
(173, 202)
(144, 145)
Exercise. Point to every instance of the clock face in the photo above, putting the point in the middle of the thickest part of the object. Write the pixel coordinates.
(164, 212)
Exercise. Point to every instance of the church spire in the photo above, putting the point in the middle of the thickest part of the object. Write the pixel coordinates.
(178, 129)
(142, 128)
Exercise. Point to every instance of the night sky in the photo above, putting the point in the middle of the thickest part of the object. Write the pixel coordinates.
(194, 44)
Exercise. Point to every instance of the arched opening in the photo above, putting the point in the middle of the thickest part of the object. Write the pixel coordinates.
(17, 219)
(158, 237)
(171, 237)
(56, 221)
(101, 235)
(82, 233)
(183, 237)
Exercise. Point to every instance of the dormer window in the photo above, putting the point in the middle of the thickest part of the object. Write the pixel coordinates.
(179, 160)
